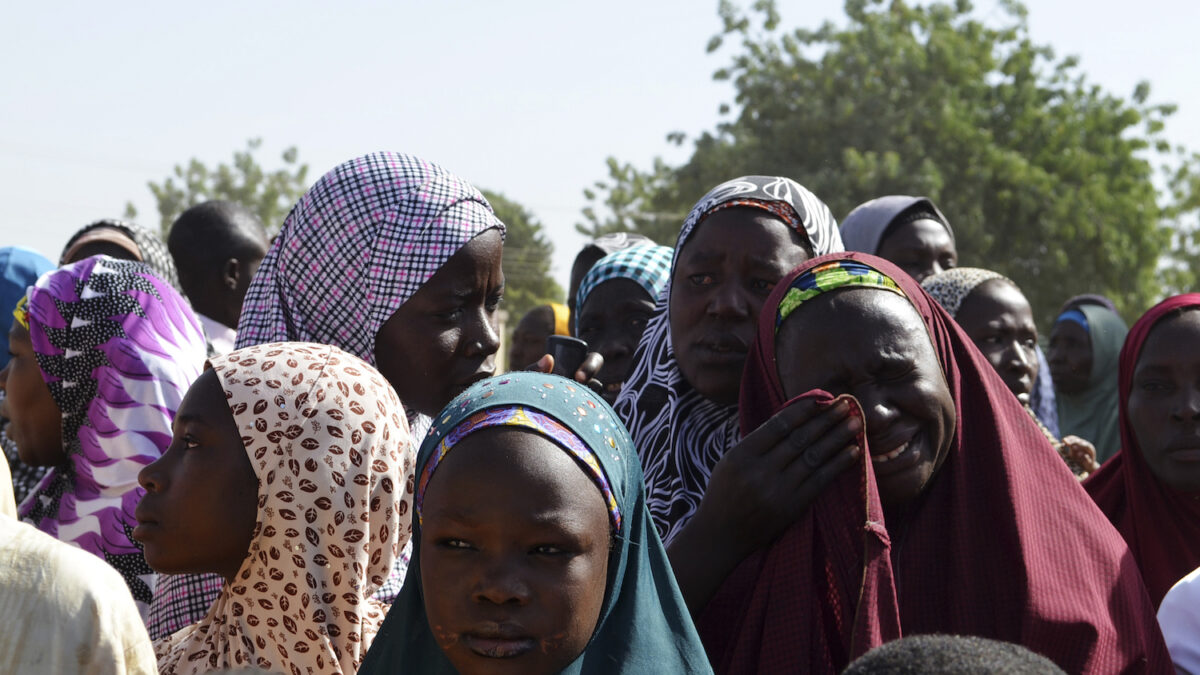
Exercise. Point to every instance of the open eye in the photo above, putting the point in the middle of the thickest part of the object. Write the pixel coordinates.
(453, 543)
(701, 279)
(547, 549)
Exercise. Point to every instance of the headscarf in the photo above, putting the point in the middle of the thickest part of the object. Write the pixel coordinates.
(949, 288)
(118, 348)
(867, 224)
(1160, 523)
(1044, 400)
(19, 269)
(1092, 413)
(644, 625)
(647, 266)
(145, 245)
(329, 443)
(679, 433)
(1003, 544)
(562, 317)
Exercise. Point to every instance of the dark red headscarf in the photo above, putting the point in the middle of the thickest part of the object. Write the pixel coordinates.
(1004, 544)
(1160, 524)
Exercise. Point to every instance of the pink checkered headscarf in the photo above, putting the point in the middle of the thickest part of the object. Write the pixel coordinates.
(355, 247)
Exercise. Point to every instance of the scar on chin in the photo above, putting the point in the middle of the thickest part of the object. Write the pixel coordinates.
(444, 638)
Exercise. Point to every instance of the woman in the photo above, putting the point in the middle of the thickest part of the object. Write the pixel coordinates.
(398, 262)
(125, 241)
(615, 301)
(19, 269)
(1149, 490)
(1085, 345)
(102, 352)
(680, 400)
(957, 518)
(909, 231)
(591, 254)
(994, 313)
(534, 549)
(287, 474)
(528, 342)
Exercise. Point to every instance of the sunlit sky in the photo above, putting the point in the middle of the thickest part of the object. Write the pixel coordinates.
(523, 98)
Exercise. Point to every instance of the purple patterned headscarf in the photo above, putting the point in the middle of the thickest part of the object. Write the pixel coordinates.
(355, 247)
(118, 347)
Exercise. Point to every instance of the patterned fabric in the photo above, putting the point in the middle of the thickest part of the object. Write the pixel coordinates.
(952, 286)
(525, 418)
(1160, 524)
(118, 348)
(143, 243)
(679, 434)
(829, 277)
(647, 266)
(1092, 413)
(328, 440)
(181, 600)
(867, 224)
(644, 625)
(355, 247)
(1001, 544)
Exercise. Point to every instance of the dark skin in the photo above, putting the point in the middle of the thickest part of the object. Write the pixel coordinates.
(529, 337)
(611, 321)
(1070, 357)
(200, 509)
(723, 275)
(218, 293)
(998, 319)
(217, 247)
(445, 337)
(1164, 402)
(921, 248)
(35, 420)
(584, 262)
(514, 547)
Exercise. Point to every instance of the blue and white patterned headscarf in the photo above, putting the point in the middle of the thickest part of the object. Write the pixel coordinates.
(679, 433)
(647, 266)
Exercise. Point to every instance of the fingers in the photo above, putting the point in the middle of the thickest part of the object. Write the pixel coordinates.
(799, 460)
(592, 363)
(543, 365)
(783, 423)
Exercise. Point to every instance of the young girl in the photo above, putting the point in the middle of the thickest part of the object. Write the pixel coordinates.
(289, 474)
(534, 551)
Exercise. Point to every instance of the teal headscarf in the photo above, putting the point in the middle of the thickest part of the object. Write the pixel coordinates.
(1092, 413)
(644, 625)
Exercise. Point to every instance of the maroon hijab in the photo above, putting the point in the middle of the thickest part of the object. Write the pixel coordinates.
(1003, 544)
(1160, 524)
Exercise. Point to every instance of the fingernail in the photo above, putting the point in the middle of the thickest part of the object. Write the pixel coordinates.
(855, 424)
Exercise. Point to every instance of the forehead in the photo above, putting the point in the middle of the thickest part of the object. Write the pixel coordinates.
(615, 293)
(923, 232)
(205, 399)
(993, 298)
(850, 327)
(1173, 340)
(1070, 330)
(741, 228)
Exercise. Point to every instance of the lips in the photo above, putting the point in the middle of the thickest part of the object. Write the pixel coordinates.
(1186, 449)
(502, 641)
(896, 453)
(146, 521)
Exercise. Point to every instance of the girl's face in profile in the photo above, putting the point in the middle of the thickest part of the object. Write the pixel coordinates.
(514, 554)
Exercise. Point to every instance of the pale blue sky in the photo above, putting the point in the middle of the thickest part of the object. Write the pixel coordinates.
(525, 98)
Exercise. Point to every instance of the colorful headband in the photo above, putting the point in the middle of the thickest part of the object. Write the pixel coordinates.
(1076, 316)
(782, 210)
(526, 418)
(21, 313)
(828, 277)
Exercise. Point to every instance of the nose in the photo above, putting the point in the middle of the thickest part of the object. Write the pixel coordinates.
(1017, 358)
(728, 301)
(878, 412)
(483, 338)
(501, 583)
(152, 477)
(1188, 407)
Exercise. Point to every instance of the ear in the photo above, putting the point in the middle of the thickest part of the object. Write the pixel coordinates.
(231, 274)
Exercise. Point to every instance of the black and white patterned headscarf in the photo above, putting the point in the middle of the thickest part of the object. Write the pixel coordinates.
(146, 245)
(679, 433)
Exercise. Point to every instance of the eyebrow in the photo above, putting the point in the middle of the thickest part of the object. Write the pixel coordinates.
(191, 419)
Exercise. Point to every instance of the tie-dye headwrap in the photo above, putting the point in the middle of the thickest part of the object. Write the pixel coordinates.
(118, 347)
(647, 266)
(831, 276)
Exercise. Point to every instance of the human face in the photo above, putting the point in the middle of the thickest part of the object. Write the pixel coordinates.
(921, 248)
(514, 554)
(1164, 403)
(584, 262)
(35, 420)
(611, 321)
(873, 345)
(999, 320)
(723, 275)
(201, 503)
(444, 338)
(529, 337)
(1070, 357)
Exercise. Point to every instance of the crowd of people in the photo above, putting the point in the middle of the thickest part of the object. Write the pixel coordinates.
(791, 446)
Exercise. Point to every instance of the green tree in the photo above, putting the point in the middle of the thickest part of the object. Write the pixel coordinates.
(526, 259)
(270, 194)
(1045, 176)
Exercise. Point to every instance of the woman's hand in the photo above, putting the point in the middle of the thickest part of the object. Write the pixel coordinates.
(1081, 452)
(585, 374)
(759, 488)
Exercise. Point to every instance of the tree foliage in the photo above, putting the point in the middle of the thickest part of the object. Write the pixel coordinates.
(527, 252)
(270, 194)
(1045, 176)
